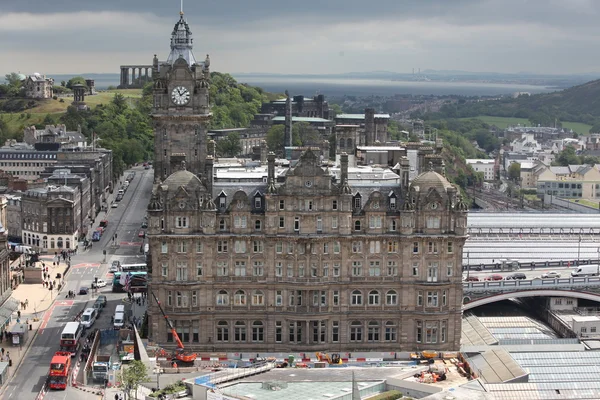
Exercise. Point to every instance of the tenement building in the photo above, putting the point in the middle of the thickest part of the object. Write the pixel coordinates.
(303, 260)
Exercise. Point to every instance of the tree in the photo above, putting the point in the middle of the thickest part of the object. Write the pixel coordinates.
(63, 83)
(567, 157)
(303, 134)
(76, 80)
(131, 377)
(336, 110)
(13, 84)
(275, 138)
(230, 145)
(514, 172)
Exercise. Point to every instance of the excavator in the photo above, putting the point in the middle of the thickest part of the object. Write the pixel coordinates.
(180, 354)
(335, 358)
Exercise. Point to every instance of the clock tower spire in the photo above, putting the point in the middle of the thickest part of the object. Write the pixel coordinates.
(181, 109)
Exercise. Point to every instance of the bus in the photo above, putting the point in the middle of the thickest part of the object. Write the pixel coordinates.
(69, 338)
(133, 267)
(139, 281)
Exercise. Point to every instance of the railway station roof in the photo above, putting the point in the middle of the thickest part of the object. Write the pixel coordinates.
(532, 220)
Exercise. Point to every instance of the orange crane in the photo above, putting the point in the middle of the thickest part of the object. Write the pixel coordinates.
(180, 355)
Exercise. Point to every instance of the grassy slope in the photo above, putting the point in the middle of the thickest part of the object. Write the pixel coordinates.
(37, 114)
(503, 122)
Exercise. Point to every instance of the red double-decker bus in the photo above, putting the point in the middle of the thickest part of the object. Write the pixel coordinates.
(59, 370)
(69, 338)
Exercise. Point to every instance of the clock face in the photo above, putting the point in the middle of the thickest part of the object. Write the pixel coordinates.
(180, 95)
(308, 184)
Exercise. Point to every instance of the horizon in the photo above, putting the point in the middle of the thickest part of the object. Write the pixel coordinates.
(312, 38)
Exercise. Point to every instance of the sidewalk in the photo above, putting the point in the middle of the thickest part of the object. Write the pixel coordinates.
(39, 300)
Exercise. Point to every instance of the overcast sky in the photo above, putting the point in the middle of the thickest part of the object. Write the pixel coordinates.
(305, 36)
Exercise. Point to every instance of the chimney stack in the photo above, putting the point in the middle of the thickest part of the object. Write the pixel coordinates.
(271, 166)
(404, 173)
(344, 162)
(370, 126)
(209, 170)
(263, 152)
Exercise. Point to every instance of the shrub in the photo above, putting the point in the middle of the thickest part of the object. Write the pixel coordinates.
(62, 100)
(389, 395)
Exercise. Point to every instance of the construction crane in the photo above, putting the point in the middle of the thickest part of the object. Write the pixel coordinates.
(180, 355)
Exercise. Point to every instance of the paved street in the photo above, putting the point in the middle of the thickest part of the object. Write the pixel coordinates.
(124, 220)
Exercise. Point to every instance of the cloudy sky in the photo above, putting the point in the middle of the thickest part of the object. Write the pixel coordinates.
(305, 36)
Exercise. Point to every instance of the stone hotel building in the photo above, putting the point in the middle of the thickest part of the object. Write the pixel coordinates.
(301, 262)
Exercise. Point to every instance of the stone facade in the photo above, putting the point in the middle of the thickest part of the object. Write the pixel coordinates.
(51, 218)
(38, 87)
(13, 212)
(181, 109)
(315, 107)
(5, 285)
(303, 261)
(306, 264)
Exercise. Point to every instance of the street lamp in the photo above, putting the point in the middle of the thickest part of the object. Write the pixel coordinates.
(469, 267)
(578, 250)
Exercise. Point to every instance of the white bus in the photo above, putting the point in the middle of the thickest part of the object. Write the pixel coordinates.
(133, 267)
(69, 338)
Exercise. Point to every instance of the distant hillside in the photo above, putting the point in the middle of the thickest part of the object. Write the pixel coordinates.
(577, 104)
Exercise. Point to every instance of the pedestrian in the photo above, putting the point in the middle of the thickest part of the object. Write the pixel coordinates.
(116, 396)
(18, 314)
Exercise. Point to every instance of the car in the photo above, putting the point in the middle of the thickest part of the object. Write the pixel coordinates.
(114, 267)
(142, 234)
(472, 279)
(101, 283)
(516, 276)
(551, 275)
(144, 224)
(84, 290)
(114, 205)
(494, 277)
(102, 299)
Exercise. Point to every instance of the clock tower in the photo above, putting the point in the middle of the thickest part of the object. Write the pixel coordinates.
(181, 109)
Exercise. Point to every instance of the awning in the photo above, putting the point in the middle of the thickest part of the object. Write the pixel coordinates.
(7, 310)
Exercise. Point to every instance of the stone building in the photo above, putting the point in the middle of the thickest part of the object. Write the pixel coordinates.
(315, 107)
(51, 218)
(38, 86)
(13, 215)
(8, 306)
(372, 127)
(54, 134)
(303, 260)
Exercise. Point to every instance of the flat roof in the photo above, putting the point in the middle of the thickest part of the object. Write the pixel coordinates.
(302, 119)
(379, 148)
(360, 116)
(296, 390)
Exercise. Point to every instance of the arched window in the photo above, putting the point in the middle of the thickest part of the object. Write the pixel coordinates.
(222, 331)
(68, 243)
(258, 298)
(239, 299)
(258, 331)
(357, 225)
(373, 333)
(59, 242)
(391, 332)
(356, 331)
(391, 298)
(373, 298)
(349, 143)
(239, 331)
(222, 298)
(356, 298)
(45, 242)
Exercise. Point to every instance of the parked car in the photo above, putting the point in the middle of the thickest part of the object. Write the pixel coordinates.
(472, 279)
(516, 276)
(101, 299)
(100, 284)
(551, 275)
(142, 234)
(494, 277)
(144, 224)
(114, 205)
(84, 290)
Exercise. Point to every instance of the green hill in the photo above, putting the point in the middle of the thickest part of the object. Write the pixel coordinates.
(577, 104)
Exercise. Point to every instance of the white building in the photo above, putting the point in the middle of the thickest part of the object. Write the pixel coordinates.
(487, 166)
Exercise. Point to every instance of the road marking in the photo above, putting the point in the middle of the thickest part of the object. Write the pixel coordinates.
(85, 265)
(130, 243)
(65, 303)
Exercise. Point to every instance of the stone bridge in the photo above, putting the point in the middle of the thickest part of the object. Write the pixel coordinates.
(477, 294)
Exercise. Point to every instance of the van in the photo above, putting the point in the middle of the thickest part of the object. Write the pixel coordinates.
(119, 320)
(89, 317)
(120, 309)
(585, 270)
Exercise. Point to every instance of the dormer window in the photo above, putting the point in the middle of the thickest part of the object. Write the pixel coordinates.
(258, 202)
(222, 200)
(182, 222)
(392, 203)
(357, 202)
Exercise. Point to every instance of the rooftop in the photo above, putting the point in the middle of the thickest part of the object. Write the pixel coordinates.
(360, 116)
(302, 119)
